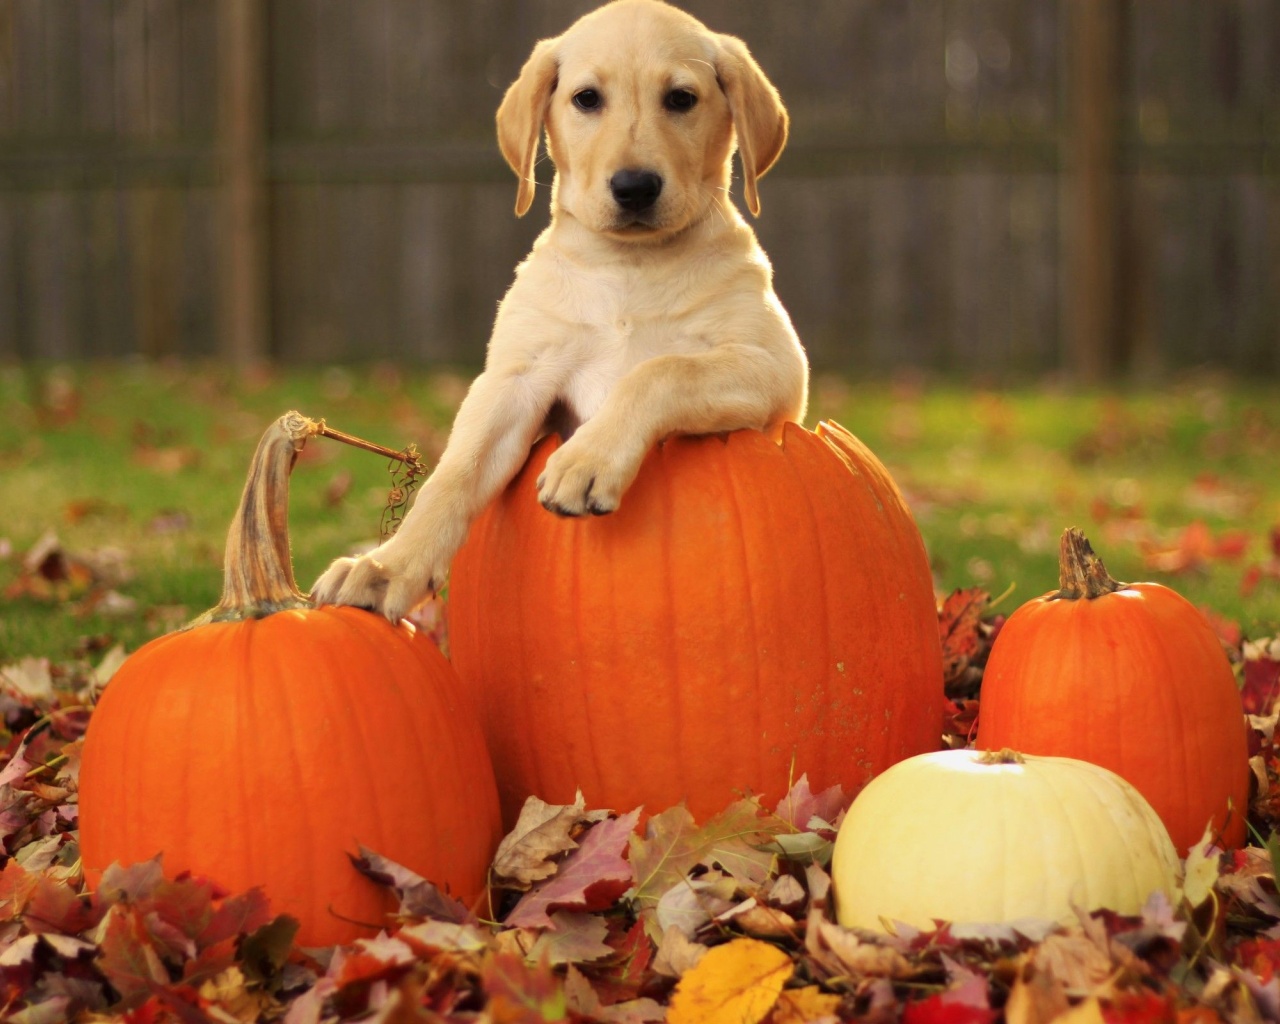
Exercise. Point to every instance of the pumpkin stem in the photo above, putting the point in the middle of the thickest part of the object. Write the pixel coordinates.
(258, 576)
(1080, 571)
(1003, 756)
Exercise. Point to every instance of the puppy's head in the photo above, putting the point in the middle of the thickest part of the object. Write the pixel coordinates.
(642, 108)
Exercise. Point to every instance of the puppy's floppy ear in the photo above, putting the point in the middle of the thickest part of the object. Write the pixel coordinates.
(759, 118)
(520, 117)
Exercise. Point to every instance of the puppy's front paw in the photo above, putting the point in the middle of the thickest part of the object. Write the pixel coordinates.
(578, 480)
(374, 583)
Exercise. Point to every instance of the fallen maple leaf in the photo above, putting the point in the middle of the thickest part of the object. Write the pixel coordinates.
(1037, 997)
(964, 644)
(591, 878)
(803, 1005)
(526, 854)
(583, 1000)
(572, 938)
(1194, 548)
(673, 845)
(737, 983)
(677, 953)
(128, 958)
(1261, 683)
(519, 993)
(692, 902)
(801, 805)
(418, 897)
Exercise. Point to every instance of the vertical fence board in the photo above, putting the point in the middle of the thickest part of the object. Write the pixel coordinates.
(95, 57)
(53, 275)
(10, 343)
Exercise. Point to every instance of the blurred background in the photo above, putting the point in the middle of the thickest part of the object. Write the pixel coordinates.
(995, 188)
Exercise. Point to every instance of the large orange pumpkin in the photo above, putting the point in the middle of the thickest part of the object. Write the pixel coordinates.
(1128, 676)
(261, 745)
(754, 610)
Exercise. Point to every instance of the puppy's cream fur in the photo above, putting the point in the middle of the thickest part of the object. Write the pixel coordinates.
(627, 326)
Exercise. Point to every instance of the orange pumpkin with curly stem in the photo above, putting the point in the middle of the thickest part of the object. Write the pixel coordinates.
(754, 610)
(259, 746)
(1128, 676)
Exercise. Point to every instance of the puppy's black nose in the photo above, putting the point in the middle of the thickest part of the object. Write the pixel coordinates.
(635, 190)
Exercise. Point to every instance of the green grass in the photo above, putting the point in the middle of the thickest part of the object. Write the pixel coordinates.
(149, 461)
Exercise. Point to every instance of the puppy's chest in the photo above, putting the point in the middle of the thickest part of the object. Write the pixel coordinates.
(618, 329)
(627, 321)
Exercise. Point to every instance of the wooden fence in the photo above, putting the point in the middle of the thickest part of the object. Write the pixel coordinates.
(972, 185)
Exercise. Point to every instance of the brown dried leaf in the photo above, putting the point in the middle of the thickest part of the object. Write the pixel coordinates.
(803, 1005)
(1037, 997)
(526, 854)
(677, 953)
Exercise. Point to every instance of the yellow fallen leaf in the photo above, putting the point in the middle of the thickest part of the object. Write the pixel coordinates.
(1088, 1012)
(736, 983)
(802, 1005)
(1201, 870)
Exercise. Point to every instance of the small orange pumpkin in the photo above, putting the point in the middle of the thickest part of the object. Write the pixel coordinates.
(1128, 676)
(754, 610)
(261, 744)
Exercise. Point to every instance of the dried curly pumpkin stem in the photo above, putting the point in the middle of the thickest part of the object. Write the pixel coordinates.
(1081, 573)
(258, 567)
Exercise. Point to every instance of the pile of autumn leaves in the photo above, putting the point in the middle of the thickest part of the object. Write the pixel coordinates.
(607, 917)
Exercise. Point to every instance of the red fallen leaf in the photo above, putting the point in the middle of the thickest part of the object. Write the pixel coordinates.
(520, 993)
(237, 915)
(381, 958)
(1261, 684)
(1227, 630)
(572, 938)
(959, 627)
(16, 886)
(1250, 580)
(131, 883)
(418, 897)
(185, 904)
(1194, 548)
(959, 721)
(591, 878)
(127, 957)
(1261, 956)
(800, 806)
(56, 907)
(620, 977)
(937, 1009)
(1143, 1007)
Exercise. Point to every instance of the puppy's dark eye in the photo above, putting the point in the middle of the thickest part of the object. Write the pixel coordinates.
(680, 100)
(587, 99)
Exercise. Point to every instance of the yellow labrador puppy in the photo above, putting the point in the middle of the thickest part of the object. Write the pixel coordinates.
(646, 308)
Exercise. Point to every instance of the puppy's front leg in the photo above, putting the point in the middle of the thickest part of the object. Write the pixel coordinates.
(730, 387)
(496, 424)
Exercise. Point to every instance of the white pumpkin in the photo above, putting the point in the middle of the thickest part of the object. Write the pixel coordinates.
(968, 837)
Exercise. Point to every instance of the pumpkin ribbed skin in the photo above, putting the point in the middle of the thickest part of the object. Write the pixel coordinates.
(261, 752)
(970, 838)
(753, 611)
(1134, 680)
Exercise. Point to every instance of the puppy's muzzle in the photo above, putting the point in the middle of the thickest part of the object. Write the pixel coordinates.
(635, 191)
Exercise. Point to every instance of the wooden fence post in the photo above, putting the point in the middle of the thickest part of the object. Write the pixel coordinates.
(1091, 234)
(244, 279)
